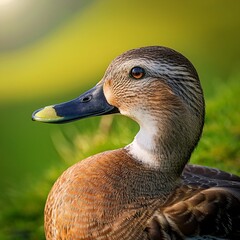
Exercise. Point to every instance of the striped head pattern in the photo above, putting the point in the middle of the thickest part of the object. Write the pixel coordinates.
(160, 89)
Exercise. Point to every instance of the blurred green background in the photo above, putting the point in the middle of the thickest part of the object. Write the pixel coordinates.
(53, 50)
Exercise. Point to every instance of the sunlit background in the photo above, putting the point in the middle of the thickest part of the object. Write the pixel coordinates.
(52, 50)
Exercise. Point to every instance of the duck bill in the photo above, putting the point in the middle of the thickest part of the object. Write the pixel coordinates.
(90, 103)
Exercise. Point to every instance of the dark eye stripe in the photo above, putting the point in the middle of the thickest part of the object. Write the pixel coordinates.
(137, 72)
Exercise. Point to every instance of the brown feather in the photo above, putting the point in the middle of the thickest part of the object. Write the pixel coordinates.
(108, 195)
(143, 191)
(206, 204)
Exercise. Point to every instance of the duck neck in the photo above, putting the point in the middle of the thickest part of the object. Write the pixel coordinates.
(161, 147)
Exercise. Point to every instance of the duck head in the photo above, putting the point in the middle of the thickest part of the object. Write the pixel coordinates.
(158, 88)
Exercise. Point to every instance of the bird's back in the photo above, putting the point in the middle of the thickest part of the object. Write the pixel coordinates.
(111, 196)
(107, 196)
(204, 206)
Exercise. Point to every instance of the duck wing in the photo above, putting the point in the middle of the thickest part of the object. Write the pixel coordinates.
(199, 174)
(205, 206)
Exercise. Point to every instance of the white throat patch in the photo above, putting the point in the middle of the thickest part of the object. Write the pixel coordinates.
(143, 145)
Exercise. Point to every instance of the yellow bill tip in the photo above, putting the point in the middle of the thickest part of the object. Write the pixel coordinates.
(47, 114)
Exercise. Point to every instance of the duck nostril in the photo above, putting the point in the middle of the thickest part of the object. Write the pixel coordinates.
(86, 99)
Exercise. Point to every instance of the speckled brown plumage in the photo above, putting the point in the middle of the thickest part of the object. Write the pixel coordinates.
(205, 204)
(120, 199)
(146, 190)
(109, 193)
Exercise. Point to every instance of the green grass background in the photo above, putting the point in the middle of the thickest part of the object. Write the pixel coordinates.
(70, 57)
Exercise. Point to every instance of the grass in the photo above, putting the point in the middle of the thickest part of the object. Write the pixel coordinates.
(36, 74)
(220, 143)
(219, 147)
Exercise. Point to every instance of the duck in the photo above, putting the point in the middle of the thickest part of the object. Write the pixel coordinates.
(146, 190)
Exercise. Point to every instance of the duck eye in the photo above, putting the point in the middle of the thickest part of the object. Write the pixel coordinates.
(137, 72)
